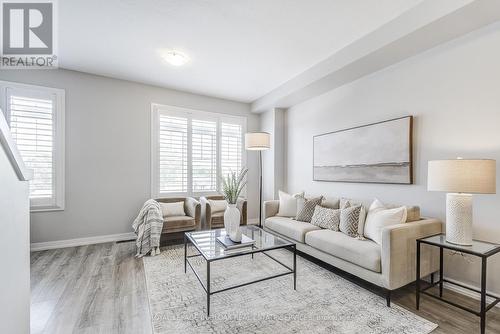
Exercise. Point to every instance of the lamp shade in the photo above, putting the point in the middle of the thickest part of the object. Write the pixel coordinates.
(462, 176)
(257, 141)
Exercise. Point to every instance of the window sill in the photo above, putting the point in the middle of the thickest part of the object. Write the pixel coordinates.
(45, 209)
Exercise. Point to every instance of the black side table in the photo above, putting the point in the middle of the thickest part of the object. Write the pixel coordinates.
(478, 248)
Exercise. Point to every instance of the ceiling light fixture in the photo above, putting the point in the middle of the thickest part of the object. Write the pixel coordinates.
(175, 58)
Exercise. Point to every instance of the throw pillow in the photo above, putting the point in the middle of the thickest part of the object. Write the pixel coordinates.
(305, 215)
(349, 220)
(288, 204)
(331, 202)
(217, 205)
(326, 218)
(172, 209)
(346, 203)
(379, 216)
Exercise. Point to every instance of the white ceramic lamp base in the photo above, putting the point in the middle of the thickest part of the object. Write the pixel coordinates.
(459, 219)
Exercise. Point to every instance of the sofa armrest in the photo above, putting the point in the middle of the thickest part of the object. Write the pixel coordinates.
(193, 209)
(271, 208)
(241, 204)
(399, 252)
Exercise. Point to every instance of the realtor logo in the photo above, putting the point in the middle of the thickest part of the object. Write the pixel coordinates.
(28, 35)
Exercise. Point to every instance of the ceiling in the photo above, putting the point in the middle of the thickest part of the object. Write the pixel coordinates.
(238, 49)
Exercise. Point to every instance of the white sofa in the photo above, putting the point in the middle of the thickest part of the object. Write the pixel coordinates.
(390, 265)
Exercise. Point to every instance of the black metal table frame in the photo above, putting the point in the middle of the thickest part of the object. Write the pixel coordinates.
(484, 257)
(254, 250)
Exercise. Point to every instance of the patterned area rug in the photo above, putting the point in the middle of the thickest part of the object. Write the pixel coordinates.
(323, 302)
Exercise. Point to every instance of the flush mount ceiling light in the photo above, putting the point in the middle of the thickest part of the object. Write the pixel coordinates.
(175, 58)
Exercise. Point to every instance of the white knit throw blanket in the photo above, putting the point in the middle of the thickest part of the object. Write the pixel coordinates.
(148, 226)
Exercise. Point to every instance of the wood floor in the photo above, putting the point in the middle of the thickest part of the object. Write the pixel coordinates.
(101, 289)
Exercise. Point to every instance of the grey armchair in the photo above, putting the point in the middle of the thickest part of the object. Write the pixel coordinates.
(190, 222)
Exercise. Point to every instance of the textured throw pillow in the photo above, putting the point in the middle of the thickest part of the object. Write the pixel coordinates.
(172, 209)
(379, 217)
(346, 203)
(217, 205)
(326, 218)
(301, 200)
(288, 204)
(305, 215)
(349, 220)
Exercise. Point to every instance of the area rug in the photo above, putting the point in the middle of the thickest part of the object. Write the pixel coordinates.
(322, 303)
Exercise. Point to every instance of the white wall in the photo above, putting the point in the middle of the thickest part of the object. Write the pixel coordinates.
(272, 122)
(454, 93)
(14, 247)
(108, 150)
(268, 177)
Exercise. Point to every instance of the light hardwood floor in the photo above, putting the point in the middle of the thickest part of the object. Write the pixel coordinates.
(101, 289)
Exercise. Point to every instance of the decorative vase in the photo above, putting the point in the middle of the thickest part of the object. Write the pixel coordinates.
(232, 222)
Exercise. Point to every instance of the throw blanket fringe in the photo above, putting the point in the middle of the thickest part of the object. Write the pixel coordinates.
(148, 226)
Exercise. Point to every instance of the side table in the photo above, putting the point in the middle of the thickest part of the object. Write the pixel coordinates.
(478, 248)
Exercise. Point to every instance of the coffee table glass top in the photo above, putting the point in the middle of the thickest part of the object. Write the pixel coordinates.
(207, 244)
(477, 247)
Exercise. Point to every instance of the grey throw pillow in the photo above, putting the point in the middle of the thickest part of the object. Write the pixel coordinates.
(349, 220)
(307, 211)
(326, 218)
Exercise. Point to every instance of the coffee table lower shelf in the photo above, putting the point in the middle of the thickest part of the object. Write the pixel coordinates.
(206, 286)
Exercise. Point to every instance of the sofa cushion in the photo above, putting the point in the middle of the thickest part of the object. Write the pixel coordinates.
(307, 211)
(172, 209)
(331, 202)
(412, 212)
(348, 202)
(379, 217)
(290, 228)
(178, 222)
(326, 218)
(288, 204)
(349, 220)
(364, 253)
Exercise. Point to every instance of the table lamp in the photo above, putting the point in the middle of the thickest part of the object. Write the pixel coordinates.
(258, 141)
(461, 178)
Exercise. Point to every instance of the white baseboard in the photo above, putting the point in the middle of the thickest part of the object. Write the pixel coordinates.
(467, 292)
(39, 246)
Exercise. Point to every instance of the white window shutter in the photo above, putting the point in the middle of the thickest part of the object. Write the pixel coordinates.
(231, 148)
(36, 118)
(204, 155)
(192, 149)
(32, 126)
(172, 155)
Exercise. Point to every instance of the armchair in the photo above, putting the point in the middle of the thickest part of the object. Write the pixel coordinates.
(190, 222)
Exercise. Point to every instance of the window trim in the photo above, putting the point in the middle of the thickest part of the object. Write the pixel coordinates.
(156, 110)
(59, 138)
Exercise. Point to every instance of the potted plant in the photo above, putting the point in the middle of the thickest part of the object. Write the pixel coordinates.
(232, 185)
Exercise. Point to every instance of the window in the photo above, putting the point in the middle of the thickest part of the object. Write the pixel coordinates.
(36, 119)
(231, 147)
(192, 149)
(204, 156)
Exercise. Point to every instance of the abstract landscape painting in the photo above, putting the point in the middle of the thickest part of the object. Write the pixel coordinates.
(374, 153)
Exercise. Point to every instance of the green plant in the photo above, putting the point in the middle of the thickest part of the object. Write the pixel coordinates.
(232, 185)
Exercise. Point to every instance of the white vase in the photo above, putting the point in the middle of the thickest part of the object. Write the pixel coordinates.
(232, 222)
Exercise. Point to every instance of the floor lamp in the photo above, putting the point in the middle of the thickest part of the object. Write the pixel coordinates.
(258, 141)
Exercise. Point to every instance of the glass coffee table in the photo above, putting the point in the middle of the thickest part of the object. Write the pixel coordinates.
(207, 246)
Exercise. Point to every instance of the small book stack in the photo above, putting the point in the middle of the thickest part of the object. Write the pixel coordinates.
(229, 244)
